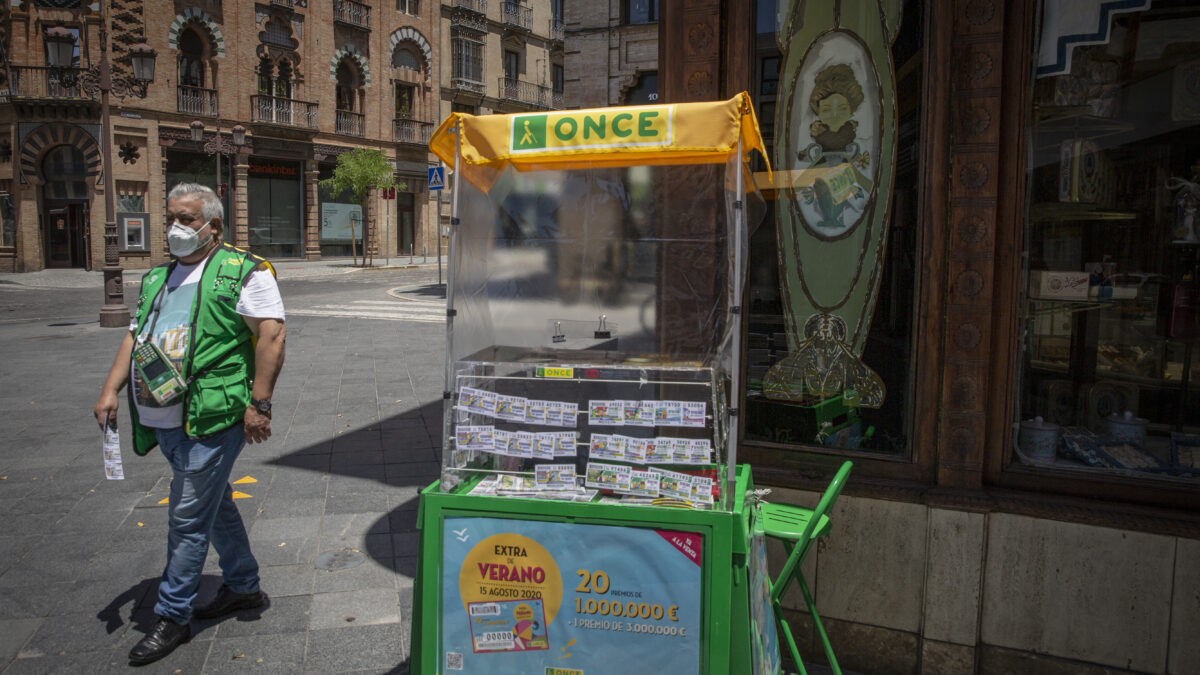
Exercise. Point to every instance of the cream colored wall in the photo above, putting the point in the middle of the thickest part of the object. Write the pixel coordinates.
(957, 580)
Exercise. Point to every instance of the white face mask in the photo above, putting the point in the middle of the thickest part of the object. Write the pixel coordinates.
(183, 240)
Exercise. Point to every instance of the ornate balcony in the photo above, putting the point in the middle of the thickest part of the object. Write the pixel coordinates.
(468, 84)
(557, 30)
(197, 101)
(411, 132)
(283, 111)
(536, 95)
(352, 13)
(477, 6)
(42, 82)
(351, 123)
(517, 16)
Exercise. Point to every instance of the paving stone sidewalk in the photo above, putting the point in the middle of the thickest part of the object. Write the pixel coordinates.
(356, 428)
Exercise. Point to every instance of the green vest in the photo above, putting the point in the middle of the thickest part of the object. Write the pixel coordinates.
(220, 356)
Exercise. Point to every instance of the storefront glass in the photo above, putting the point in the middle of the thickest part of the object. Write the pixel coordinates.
(833, 283)
(1108, 379)
(275, 199)
(341, 215)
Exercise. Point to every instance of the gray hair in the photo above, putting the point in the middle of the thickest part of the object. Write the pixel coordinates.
(210, 203)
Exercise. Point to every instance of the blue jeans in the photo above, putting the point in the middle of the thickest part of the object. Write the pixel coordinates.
(202, 511)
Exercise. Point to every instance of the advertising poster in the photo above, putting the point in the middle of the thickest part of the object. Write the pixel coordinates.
(764, 641)
(523, 596)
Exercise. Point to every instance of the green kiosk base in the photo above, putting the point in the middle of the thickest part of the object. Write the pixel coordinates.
(509, 585)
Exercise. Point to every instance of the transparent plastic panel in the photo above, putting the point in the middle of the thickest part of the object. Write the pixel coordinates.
(592, 333)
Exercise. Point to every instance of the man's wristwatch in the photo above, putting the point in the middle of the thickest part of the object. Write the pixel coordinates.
(261, 405)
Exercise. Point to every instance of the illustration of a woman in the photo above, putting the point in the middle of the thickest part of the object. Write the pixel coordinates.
(835, 97)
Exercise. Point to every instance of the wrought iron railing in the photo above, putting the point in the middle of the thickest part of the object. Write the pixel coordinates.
(517, 15)
(352, 13)
(284, 3)
(411, 132)
(197, 101)
(512, 89)
(479, 6)
(351, 123)
(557, 30)
(285, 111)
(46, 82)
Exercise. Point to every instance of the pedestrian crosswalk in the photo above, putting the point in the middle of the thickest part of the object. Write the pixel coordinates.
(386, 310)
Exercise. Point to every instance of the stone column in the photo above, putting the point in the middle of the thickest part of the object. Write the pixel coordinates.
(312, 215)
(241, 205)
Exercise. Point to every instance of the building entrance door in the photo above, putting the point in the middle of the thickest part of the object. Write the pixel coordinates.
(68, 237)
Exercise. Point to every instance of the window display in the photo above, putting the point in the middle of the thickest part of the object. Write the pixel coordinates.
(1108, 368)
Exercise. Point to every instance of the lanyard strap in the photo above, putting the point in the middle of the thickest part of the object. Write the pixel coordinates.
(155, 310)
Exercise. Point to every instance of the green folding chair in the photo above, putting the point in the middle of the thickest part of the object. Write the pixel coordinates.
(798, 528)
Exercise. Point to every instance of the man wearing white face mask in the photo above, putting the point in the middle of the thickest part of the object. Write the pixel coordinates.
(202, 355)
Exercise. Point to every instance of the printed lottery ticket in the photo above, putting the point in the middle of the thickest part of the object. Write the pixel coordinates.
(562, 414)
(501, 439)
(673, 484)
(543, 447)
(536, 412)
(608, 476)
(674, 448)
(699, 451)
(511, 408)
(702, 489)
(521, 444)
(694, 413)
(565, 443)
(643, 484)
(474, 437)
(605, 446)
(509, 483)
(658, 450)
(487, 486)
(606, 413)
(668, 413)
(111, 447)
(635, 449)
(639, 413)
(555, 476)
(477, 401)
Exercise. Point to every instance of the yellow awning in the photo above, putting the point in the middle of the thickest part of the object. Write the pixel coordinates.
(676, 133)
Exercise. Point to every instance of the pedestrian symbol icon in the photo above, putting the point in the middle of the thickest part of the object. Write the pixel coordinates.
(437, 178)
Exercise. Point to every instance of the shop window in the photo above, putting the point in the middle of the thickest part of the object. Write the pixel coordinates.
(833, 280)
(1109, 372)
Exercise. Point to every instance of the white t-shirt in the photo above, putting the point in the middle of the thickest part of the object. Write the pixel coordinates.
(260, 299)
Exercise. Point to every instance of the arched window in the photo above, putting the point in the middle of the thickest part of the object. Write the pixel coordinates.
(265, 70)
(404, 57)
(347, 86)
(191, 58)
(65, 169)
(283, 82)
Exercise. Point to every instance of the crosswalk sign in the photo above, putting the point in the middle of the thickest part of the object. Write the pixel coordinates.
(437, 178)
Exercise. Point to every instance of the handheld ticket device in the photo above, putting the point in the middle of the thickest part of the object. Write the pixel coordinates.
(159, 374)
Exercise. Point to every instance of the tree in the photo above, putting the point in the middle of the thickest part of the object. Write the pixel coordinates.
(358, 171)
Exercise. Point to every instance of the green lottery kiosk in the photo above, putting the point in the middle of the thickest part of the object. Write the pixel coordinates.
(591, 517)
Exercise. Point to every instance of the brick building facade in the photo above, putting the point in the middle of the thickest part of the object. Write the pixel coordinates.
(307, 80)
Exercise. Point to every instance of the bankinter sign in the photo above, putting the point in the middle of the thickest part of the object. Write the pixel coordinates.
(646, 126)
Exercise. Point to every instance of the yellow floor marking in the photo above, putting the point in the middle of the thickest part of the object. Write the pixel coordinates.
(240, 495)
(165, 500)
(247, 479)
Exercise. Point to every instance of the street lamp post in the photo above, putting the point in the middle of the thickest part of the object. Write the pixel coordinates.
(99, 78)
(219, 145)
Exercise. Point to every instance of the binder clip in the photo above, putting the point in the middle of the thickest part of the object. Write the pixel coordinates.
(602, 331)
(558, 334)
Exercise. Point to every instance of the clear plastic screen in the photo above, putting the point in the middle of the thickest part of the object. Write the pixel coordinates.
(627, 270)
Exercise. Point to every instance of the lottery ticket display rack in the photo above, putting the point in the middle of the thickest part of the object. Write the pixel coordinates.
(591, 516)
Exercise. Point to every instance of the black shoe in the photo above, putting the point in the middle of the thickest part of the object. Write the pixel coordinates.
(162, 640)
(228, 601)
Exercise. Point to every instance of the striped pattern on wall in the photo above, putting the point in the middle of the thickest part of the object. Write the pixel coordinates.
(413, 35)
(352, 52)
(37, 141)
(199, 16)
